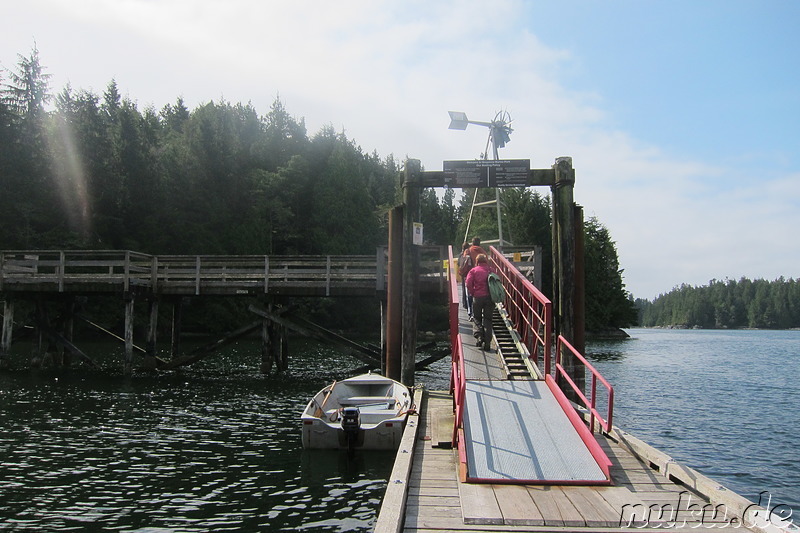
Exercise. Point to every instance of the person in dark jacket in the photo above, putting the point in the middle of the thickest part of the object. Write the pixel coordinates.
(482, 306)
(467, 261)
(464, 265)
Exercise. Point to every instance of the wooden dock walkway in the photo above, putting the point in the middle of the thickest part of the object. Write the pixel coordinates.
(649, 491)
(428, 490)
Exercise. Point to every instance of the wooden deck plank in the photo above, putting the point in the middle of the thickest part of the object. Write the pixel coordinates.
(625, 504)
(596, 511)
(442, 420)
(440, 500)
(435, 491)
(437, 511)
(479, 504)
(516, 506)
(556, 509)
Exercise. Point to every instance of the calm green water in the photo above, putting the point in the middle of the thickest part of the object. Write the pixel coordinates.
(215, 449)
(722, 402)
(218, 447)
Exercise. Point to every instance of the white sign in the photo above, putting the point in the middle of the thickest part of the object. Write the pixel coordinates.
(417, 240)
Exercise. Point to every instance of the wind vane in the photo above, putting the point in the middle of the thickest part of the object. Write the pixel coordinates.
(499, 135)
(499, 128)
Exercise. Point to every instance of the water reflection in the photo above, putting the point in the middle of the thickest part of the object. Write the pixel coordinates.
(605, 355)
(198, 450)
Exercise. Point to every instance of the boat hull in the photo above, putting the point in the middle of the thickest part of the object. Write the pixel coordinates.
(380, 405)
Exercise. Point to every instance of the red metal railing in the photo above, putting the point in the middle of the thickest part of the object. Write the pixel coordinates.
(591, 402)
(458, 382)
(530, 312)
(528, 309)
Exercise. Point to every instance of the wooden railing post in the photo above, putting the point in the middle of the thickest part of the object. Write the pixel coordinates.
(266, 274)
(328, 276)
(127, 274)
(154, 273)
(380, 267)
(197, 276)
(61, 267)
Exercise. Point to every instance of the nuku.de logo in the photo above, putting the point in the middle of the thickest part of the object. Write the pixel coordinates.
(692, 514)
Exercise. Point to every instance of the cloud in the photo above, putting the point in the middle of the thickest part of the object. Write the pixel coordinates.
(386, 73)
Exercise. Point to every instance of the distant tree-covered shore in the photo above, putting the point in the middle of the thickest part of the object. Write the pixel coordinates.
(757, 304)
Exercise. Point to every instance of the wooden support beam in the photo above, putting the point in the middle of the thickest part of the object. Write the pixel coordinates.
(315, 331)
(111, 333)
(420, 365)
(208, 349)
(432, 359)
(59, 339)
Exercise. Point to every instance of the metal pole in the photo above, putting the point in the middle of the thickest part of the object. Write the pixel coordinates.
(497, 191)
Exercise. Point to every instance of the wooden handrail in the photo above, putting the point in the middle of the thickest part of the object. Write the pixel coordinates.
(60, 270)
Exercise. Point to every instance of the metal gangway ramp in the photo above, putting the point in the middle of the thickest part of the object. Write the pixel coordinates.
(521, 431)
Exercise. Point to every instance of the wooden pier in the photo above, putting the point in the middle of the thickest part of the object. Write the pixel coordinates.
(649, 491)
(435, 488)
(61, 276)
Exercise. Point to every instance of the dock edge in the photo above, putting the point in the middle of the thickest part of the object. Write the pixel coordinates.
(392, 511)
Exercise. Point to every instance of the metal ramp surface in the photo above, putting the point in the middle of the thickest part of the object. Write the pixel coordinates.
(516, 431)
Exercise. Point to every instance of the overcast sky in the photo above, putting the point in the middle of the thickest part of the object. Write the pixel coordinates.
(682, 117)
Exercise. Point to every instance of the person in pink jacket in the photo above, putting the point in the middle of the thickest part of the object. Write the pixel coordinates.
(478, 287)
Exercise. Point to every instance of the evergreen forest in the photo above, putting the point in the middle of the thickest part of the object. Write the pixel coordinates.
(726, 304)
(80, 170)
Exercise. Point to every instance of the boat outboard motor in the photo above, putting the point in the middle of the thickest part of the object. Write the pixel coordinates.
(351, 424)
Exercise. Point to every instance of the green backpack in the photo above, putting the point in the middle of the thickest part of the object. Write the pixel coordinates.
(496, 288)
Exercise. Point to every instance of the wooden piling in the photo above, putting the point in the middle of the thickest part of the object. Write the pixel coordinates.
(8, 330)
(411, 195)
(177, 316)
(266, 352)
(69, 330)
(129, 308)
(152, 329)
(383, 337)
(284, 352)
(394, 296)
(564, 289)
(40, 348)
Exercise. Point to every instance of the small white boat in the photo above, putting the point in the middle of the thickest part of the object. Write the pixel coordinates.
(366, 412)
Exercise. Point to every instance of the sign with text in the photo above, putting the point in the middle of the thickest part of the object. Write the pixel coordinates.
(487, 173)
(417, 239)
